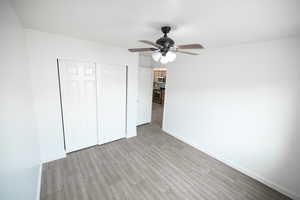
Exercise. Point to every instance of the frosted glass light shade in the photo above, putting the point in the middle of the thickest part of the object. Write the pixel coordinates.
(170, 56)
(164, 60)
(156, 56)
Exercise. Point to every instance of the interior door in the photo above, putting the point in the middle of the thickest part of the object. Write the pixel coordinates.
(145, 85)
(79, 103)
(112, 102)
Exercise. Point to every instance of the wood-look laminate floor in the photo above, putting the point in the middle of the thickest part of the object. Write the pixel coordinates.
(157, 114)
(151, 166)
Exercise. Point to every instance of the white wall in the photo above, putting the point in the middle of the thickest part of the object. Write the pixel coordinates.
(19, 149)
(241, 105)
(44, 49)
(145, 61)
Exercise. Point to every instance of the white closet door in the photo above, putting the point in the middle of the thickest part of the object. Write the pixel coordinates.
(112, 103)
(79, 103)
(145, 86)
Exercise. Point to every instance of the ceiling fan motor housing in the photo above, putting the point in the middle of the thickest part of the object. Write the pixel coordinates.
(165, 41)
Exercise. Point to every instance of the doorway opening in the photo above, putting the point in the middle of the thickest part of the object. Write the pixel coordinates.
(158, 95)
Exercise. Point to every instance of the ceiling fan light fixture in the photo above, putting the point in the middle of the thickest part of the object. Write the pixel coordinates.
(171, 56)
(164, 60)
(156, 56)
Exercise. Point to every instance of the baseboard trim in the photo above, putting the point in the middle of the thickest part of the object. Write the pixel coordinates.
(239, 168)
(142, 124)
(57, 157)
(39, 182)
(130, 136)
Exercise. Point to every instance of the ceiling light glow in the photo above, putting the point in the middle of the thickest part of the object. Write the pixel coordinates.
(156, 56)
(164, 59)
(171, 56)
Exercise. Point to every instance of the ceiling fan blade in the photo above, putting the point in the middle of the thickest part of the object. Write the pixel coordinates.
(190, 46)
(150, 43)
(186, 52)
(142, 49)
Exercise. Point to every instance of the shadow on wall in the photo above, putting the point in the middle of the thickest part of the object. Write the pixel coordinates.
(287, 155)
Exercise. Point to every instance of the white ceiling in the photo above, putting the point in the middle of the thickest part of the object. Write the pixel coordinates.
(123, 22)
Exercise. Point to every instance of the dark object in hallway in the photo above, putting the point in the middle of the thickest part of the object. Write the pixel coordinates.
(159, 95)
(159, 83)
(153, 165)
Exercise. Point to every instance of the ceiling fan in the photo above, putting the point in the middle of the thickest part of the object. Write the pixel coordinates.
(164, 48)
